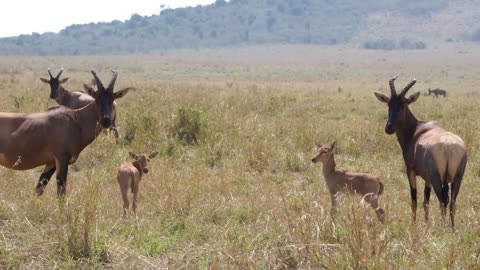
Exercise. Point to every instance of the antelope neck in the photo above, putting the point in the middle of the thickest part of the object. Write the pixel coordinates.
(406, 130)
(328, 165)
(87, 119)
(137, 165)
(62, 96)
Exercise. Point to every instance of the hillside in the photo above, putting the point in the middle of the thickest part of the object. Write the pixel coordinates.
(391, 24)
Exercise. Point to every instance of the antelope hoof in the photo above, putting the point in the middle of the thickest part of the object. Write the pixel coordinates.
(381, 215)
(61, 191)
(39, 190)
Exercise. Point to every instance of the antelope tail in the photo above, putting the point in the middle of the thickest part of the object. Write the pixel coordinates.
(380, 190)
(132, 183)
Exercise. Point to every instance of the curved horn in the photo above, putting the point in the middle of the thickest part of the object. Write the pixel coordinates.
(97, 80)
(50, 73)
(392, 86)
(59, 73)
(112, 81)
(405, 90)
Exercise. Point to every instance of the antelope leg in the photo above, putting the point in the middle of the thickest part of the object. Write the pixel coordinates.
(426, 199)
(412, 179)
(45, 178)
(62, 172)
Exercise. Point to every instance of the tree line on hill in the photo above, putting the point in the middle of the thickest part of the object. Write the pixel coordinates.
(226, 24)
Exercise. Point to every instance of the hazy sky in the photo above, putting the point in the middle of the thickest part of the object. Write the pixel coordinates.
(27, 16)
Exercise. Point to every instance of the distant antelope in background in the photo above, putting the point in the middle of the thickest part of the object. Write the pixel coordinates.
(435, 154)
(343, 181)
(437, 92)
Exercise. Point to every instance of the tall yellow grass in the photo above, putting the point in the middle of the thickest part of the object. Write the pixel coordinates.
(246, 195)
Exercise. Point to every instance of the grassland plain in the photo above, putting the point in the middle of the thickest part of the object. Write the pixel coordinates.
(246, 195)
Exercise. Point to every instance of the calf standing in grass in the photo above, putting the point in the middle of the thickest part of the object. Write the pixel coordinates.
(342, 181)
(129, 175)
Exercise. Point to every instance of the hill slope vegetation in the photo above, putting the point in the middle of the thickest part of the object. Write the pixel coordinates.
(370, 24)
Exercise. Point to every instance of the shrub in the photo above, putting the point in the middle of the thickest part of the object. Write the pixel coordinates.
(388, 44)
(407, 44)
(382, 44)
(475, 36)
(141, 127)
(189, 125)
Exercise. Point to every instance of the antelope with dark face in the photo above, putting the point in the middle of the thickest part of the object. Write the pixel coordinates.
(129, 176)
(55, 138)
(429, 151)
(343, 181)
(437, 92)
(75, 99)
(72, 100)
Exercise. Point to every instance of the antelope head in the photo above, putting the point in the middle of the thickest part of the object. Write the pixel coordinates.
(141, 161)
(324, 152)
(397, 105)
(104, 98)
(54, 83)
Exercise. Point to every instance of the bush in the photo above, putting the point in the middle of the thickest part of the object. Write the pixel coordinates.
(382, 44)
(406, 44)
(189, 125)
(388, 44)
(475, 36)
(140, 127)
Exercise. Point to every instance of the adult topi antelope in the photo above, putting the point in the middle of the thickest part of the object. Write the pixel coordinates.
(437, 92)
(435, 154)
(55, 138)
(75, 99)
(343, 181)
(72, 100)
(129, 176)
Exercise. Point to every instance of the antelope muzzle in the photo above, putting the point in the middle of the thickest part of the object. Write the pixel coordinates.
(105, 121)
(389, 128)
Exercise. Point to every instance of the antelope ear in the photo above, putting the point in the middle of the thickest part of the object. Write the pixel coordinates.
(44, 80)
(318, 145)
(411, 99)
(90, 91)
(152, 155)
(382, 97)
(121, 93)
(333, 147)
(64, 80)
(132, 155)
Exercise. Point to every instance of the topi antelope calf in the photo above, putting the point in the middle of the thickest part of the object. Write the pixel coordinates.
(129, 175)
(343, 181)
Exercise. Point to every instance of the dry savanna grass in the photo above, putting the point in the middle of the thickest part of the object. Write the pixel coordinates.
(233, 186)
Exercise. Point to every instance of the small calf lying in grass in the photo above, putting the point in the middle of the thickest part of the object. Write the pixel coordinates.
(129, 175)
(343, 181)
